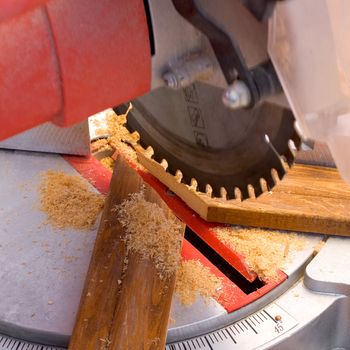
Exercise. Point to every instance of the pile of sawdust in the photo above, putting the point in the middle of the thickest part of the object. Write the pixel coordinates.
(68, 201)
(151, 233)
(265, 251)
(100, 146)
(119, 139)
(194, 279)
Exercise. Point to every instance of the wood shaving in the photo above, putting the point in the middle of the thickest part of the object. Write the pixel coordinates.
(193, 279)
(105, 343)
(100, 146)
(68, 201)
(119, 139)
(265, 251)
(151, 233)
(319, 246)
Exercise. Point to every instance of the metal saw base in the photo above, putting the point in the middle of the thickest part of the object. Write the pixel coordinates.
(43, 271)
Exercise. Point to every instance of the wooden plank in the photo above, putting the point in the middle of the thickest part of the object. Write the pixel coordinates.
(125, 304)
(308, 199)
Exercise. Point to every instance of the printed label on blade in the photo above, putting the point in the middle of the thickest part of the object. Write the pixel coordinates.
(195, 116)
(250, 333)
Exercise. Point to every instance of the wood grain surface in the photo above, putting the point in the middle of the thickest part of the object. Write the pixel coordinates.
(125, 304)
(308, 199)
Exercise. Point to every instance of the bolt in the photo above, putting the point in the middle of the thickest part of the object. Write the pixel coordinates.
(187, 70)
(237, 95)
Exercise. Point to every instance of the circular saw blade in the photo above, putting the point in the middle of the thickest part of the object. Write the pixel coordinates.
(195, 133)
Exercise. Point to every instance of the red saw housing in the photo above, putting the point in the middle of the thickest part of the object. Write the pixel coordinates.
(62, 60)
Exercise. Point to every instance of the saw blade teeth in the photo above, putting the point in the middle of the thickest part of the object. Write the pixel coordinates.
(171, 169)
(257, 189)
(135, 136)
(279, 170)
(164, 164)
(208, 190)
(234, 193)
(263, 185)
(289, 157)
(194, 184)
(178, 176)
(270, 182)
(251, 191)
(149, 152)
(289, 154)
(275, 176)
(284, 167)
(219, 192)
(222, 193)
(244, 193)
(238, 194)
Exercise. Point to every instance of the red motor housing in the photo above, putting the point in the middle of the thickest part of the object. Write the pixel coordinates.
(64, 60)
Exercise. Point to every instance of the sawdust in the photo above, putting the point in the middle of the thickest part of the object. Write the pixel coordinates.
(151, 233)
(68, 201)
(265, 251)
(105, 343)
(100, 146)
(194, 279)
(319, 246)
(108, 162)
(119, 138)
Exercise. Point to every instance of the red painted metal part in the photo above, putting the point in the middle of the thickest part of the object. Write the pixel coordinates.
(13, 8)
(201, 227)
(66, 60)
(29, 80)
(90, 168)
(232, 297)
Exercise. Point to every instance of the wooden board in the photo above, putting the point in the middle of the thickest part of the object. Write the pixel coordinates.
(125, 304)
(308, 199)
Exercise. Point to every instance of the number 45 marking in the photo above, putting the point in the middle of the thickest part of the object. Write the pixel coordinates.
(279, 328)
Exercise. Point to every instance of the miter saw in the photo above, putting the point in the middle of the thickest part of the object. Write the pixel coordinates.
(207, 82)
